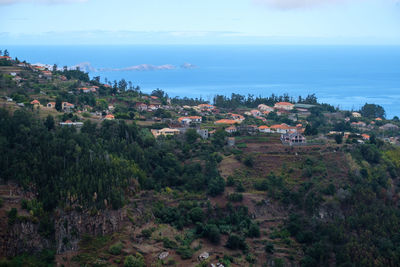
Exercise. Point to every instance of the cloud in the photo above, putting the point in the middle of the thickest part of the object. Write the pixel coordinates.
(10, 2)
(296, 4)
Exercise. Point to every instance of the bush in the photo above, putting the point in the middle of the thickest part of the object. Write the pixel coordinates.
(254, 230)
(168, 243)
(236, 242)
(12, 216)
(235, 197)
(1, 202)
(134, 261)
(196, 214)
(146, 233)
(116, 248)
(211, 231)
(269, 247)
(185, 252)
(249, 161)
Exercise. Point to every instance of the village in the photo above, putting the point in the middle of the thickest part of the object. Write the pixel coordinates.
(77, 99)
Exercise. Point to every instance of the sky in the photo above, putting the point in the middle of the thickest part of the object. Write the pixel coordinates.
(292, 22)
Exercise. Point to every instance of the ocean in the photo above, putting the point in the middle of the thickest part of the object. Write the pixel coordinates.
(344, 76)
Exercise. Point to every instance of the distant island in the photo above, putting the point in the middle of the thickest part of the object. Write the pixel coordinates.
(102, 174)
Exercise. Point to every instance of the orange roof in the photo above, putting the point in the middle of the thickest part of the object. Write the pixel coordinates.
(231, 128)
(109, 116)
(68, 121)
(225, 121)
(190, 117)
(154, 97)
(365, 136)
(35, 102)
(284, 104)
(280, 126)
(53, 103)
(299, 125)
(378, 119)
(263, 127)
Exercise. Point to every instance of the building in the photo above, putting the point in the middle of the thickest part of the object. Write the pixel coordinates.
(293, 139)
(5, 57)
(265, 108)
(280, 128)
(389, 127)
(231, 129)
(67, 107)
(226, 121)
(206, 107)
(70, 123)
(165, 132)
(365, 136)
(284, 105)
(236, 117)
(203, 133)
(358, 124)
(264, 129)
(190, 119)
(356, 115)
(141, 106)
(35, 103)
(255, 113)
(51, 105)
(109, 117)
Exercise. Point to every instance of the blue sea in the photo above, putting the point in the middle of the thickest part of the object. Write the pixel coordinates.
(344, 76)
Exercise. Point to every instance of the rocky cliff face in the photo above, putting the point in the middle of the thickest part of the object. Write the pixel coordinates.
(71, 226)
(23, 237)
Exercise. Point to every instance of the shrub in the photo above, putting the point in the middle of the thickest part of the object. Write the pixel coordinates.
(134, 261)
(254, 230)
(12, 216)
(211, 231)
(236, 242)
(185, 252)
(116, 248)
(168, 243)
(146, 233)
(196, 214)
(269, 247)
(235, 197)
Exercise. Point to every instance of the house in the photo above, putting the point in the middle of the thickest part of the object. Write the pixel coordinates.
(203, 133)
(255, 113)
(70, 123)
(190, 119)
(264, 129)
(282, 128)
(356, 115)
(231, 129)
(248, 129)
(236, 117)
(35, 103)
(109, 117)
(152, 108)
(293, 138)
(154, 97)
(5, 57)
(265, 108)
(141, 106)
(47, 74)
(51, 105)
(389, 127)
(284, 105)
(165, 132)
(226, 121)
(378, 119)
(205, 107)
(365, 136)
(67, 106)
(358, 124)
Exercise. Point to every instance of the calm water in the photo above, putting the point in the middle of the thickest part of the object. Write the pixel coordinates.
(343, 76)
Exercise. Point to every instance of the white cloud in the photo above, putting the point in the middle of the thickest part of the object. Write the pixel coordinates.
(10, 2)
(295, 4)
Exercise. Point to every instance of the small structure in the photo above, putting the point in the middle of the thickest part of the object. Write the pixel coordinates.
(109, 117)
(255, 113)
(225, 121)
(236, 117)
(163, 255)
(356, 115)
(389, 127)
(203, 133)
(358, 124)
(67, 107)
(265, 108)
(231, 129)
(70, 123)
(284, 105)
(51, 105)
(231, 141)
(293, 139)
(365, 136)
(35, 103)
(264, 129)
(165, 132)
(204, 256)
(141, 106)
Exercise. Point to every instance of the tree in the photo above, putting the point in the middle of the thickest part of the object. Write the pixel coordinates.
(372, 111)
(58, 104)
(339, 138)
(191, 136)
(54, 67)
(6, 54)
(49, 122)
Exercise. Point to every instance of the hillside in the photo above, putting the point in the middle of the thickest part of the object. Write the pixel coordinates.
(102, 174)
